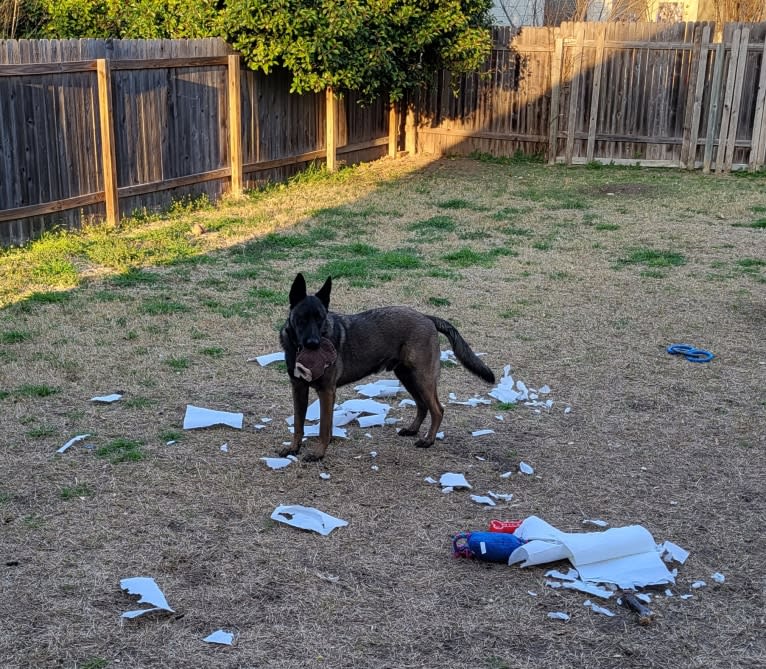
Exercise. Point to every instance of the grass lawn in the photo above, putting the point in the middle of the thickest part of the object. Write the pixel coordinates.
(579, 278)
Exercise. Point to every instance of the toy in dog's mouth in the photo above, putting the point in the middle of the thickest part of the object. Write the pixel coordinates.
(311, 363)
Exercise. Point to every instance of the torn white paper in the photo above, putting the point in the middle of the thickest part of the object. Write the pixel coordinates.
(671, 551)
(324, 476)
(149, 593)
(72, 442)
(598, 609)
(571, 575)
(481, 433)
(277, 463)
(470, 402)
(368, 406)
(597, 523)
(268, 358)
(505, 497)
(588, 588)
(625, 556)
(224, 448)
(106, 399)
(698, 584)
(524, 468)
(307, 518)
(197, 417)
(430, 479)
(220, 636)
(448, 356)
(558, 615)
(407, 403)
(313, 431)
(482, 499)
(380, 388)
(371, 421)
(718, 577)
(452, 480)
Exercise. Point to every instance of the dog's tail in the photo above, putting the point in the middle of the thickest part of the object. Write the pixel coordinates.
(463, 351)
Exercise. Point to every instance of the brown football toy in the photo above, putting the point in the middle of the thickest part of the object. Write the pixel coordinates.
(310, 364)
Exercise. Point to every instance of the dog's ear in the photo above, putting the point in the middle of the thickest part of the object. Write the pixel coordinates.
(298, 290)
(324, 293)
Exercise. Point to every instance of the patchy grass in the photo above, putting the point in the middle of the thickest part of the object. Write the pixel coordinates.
(650, 439)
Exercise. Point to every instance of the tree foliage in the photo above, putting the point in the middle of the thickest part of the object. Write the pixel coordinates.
(370, 46)
(130, 19)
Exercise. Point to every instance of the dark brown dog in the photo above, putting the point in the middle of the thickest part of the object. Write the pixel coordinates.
(398, 339)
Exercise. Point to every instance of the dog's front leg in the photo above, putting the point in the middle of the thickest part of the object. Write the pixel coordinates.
(326, 408)
(300, 405)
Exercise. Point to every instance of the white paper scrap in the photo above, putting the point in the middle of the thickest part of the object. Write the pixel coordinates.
(718, 577)
(588, 588)
(277, 463)
(307, 518)
(558, 615)
(687, 596)
(268, 358)
(407, 403)
(625, 556)
(505, 497)
(481, 433)
(698, 584)
(448, 489)
(221, 637)
(524, 468)
(197, 417)
(483, 499)
(471, 401)
(506, 475)
(598, 609)
(448, 356)
(72, 442)
(371, 421)
(597, 523)
(224, 448)
(106, 399)
(440, 436)
(149, 593)
(430, 479)
(671, 551)
(313, 431)
(366, 406)
(571, 575)
(380, 388)
(324, 476)
(452, 480)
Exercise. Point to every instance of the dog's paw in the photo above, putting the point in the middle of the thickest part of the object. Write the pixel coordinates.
(288, 450)
(313, 455)
(407, 432)
(423, 443)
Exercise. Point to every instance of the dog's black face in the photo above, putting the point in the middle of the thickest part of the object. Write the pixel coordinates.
(308, 313)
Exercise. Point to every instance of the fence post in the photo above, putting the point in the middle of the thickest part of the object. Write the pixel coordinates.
(393, 129)
(574, 92)
(736, 100)
(728, 98)
(715, 96)
(758, 146)
(594, 100)
(331, 134)
(694, 110)
(235, 125)
(553, 131)
(410, 127)
(108, 158)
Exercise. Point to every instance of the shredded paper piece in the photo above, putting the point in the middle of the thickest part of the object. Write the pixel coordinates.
(268, 358)
(149, 593)
(452, 480)
(106, 399)
(197, 417)
(72, 442)
(307, 518)
(221, 637)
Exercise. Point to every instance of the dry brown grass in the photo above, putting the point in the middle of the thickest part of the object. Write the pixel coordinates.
(651, 439)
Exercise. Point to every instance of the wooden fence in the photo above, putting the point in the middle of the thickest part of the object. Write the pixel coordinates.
(628, 93)
(94, 128)
(100, 129)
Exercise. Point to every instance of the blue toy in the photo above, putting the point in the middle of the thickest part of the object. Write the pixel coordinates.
(691, 353)
(488, 546)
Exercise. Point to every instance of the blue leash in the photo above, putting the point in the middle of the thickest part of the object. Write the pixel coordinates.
(691, 353)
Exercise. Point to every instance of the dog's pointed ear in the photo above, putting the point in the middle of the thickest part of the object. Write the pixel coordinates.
(298, 290)
(324, 293)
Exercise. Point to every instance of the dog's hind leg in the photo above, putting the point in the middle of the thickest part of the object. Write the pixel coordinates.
(425, 400)
(300, 405)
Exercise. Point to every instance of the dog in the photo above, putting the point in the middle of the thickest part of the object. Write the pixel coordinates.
(397, 339)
